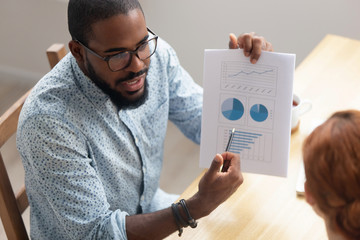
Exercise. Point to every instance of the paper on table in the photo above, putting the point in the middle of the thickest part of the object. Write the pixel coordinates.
(256, 99)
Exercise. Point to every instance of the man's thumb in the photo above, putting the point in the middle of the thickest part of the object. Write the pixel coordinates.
(233, 43)
(216, 164)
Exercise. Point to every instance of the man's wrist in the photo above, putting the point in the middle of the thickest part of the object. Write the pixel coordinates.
(198, 207)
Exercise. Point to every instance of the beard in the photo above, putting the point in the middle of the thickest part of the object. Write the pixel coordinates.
(117, 98)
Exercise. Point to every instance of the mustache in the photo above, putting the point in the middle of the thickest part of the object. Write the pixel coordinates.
(132, 75)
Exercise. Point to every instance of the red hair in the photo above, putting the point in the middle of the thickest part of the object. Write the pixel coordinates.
(332, 168)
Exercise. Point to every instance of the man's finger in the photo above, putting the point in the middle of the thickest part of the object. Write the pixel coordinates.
(258, 44)
(245, 41)
(269, 47)
(233, 43)
(234, 158)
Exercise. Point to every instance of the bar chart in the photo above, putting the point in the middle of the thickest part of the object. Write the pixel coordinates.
(249, 144)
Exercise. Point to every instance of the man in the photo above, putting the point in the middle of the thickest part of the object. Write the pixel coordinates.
(91, 132)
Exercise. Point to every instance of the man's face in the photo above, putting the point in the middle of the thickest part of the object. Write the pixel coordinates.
(127, 87)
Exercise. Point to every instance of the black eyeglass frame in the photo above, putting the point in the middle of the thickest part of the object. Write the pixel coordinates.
(132, 52)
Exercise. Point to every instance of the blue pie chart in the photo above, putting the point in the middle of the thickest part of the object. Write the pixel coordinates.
(232, 109)
(259, 113)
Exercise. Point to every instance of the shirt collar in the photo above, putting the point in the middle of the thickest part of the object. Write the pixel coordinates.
(88, 87)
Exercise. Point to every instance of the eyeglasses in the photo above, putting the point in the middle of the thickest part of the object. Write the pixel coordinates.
(122, 60)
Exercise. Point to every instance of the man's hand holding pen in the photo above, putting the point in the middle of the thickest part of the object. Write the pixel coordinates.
(215, 186)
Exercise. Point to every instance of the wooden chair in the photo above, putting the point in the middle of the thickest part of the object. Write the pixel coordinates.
(55, 53)
(11, 205)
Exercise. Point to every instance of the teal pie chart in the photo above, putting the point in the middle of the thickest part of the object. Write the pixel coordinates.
(259, 113)
(232, 109)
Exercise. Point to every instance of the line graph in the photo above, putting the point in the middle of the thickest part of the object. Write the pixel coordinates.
(249, 78)
(250, 73)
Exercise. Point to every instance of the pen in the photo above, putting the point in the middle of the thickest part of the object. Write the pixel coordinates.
(227, 162)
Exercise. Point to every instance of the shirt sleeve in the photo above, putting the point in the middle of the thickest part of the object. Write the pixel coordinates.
(59, 160)
(162, 200)
(185, 99)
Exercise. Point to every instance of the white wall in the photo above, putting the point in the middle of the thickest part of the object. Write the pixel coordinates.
(28, 27)
(291, 26)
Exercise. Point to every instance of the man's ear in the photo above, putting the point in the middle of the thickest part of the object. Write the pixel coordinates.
(76, 51)
(309, 198)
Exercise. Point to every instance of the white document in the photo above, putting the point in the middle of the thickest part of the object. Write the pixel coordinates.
(256, 100)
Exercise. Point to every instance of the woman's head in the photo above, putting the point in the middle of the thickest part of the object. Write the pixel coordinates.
(332, 167)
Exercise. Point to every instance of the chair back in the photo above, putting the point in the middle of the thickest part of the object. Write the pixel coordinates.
(55, 53)
(13, 205)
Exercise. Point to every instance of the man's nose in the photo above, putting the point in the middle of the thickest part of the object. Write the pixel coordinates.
(136, 64)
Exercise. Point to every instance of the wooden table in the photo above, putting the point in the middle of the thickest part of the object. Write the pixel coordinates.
(267, 207)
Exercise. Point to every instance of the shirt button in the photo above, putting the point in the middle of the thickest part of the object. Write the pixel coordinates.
(142, 198)
(144, 169)
(136, 141)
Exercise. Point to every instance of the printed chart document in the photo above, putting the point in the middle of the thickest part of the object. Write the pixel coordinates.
(256, 100)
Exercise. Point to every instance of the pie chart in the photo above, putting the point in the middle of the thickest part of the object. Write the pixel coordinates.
(259, 113)
(232, 109)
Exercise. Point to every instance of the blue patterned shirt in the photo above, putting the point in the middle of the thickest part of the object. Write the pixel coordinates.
(88, 165)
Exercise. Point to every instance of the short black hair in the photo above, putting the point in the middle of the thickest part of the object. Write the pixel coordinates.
(83, 13)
